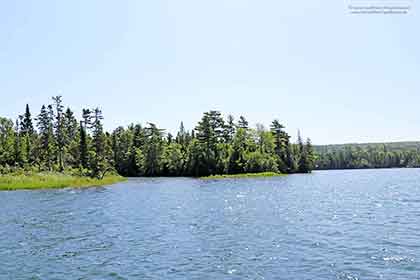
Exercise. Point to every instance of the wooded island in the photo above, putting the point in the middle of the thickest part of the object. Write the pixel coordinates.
(55, 141)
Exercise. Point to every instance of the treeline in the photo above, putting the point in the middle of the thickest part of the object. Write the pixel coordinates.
(56, 141)
(366, 156)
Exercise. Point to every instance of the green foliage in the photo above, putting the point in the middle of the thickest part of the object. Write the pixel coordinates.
(61, 143)
(384, 155)
(47, 139)
(173, 159)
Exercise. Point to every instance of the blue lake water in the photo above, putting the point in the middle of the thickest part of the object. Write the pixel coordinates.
(360, 224)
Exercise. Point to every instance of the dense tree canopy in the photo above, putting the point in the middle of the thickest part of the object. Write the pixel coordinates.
(367, 156)
(59, 142)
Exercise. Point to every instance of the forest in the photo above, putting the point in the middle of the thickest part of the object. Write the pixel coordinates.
(56, 141)
(374, 155)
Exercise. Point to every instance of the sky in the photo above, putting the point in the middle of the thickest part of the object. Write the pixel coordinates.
(339, 78)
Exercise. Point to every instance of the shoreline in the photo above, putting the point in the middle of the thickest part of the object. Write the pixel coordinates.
(242, 176)
(53, 181)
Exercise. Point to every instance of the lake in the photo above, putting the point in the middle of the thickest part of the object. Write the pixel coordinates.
(354, 224)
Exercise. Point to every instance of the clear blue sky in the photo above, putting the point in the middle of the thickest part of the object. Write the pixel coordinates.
(337, 77)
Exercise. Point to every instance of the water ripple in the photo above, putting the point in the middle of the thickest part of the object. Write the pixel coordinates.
(327, 225)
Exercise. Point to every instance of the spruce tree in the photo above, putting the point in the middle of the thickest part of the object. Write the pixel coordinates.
(27, 129)
(27, 126)
(83, 148)
(72, 139)
(46, 133)
(70, 125)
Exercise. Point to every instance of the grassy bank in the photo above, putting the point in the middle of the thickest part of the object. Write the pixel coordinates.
(245, 175)
(52, 181)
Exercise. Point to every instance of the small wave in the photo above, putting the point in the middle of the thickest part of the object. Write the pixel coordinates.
(346, 276)
(232, 271)
(397, 259)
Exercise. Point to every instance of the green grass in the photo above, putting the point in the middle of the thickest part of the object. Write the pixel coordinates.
(53, 181)
(245, 175)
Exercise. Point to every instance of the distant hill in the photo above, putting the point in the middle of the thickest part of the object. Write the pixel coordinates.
(368, 155)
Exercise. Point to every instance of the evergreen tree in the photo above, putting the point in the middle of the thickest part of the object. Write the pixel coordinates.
(229, 129)
(59, 131)
(47, 143)
(209, 133)
(281, 140)
(310, 156)
(196, 159)
(27, 126)
(98, 163)
(169, 138)
(28, 133)
(242, 123)
(181, 135)
(70, 125)
(303, 166)
(87, 118)
(84, 158)
(123, 151)
(72, 139)
(153, 150)
(237, 158)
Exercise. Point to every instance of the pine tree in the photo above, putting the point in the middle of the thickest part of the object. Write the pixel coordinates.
(242, 123)
(229, 129)
(209, 134)
(87, 118)
(138, 136)
(281, 140)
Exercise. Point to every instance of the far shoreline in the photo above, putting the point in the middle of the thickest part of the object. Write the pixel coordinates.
(242, 176)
